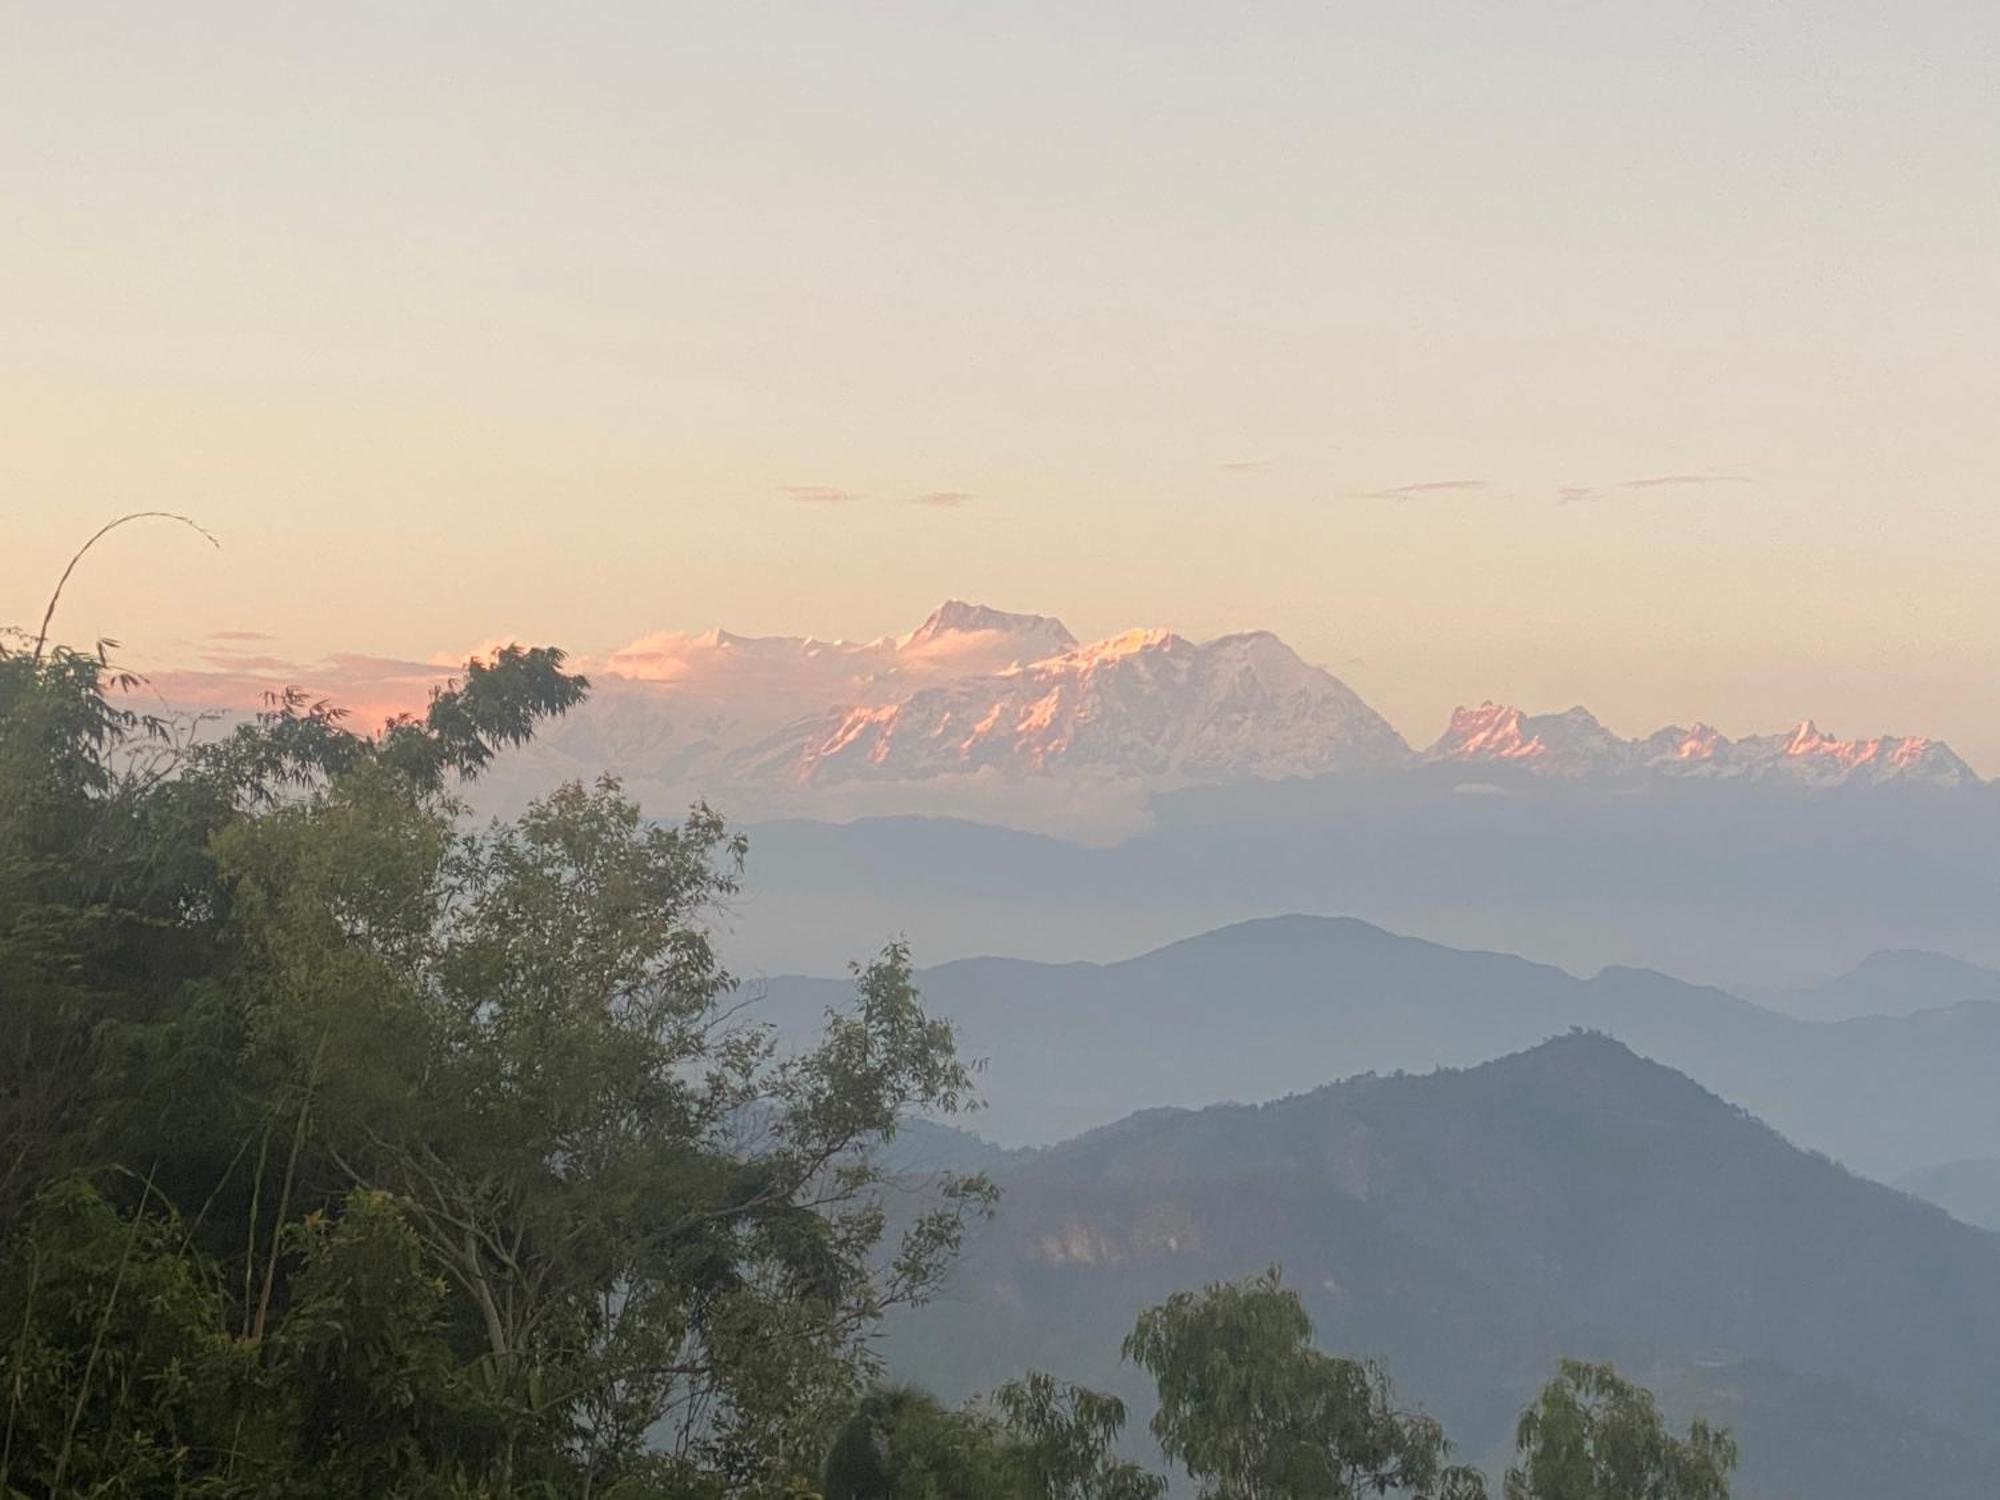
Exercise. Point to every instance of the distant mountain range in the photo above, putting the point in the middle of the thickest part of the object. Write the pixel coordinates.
(1763, 889)
(1896, 982)
(1008, 716)
(976, 711)
(1266, 1008)
(1575, 745)
(1472, 1226)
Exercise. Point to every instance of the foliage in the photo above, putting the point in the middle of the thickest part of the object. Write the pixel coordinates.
(1592, 1435)
(1038, 1439)
(1254, 1412)
(345, 1149)
(1064, 1437)
(901, 1443)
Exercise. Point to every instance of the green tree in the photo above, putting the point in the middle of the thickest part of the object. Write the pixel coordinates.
(1592, 1435)
(1037, 1439)
(1254, 1412)
(902, 1443)
(663, 1226)
(347, 1149)
(1063, 1438)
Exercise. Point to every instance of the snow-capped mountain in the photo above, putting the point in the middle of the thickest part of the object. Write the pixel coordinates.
(1009, 718)
(971, 702)
(1148, 703)
(1575, 746)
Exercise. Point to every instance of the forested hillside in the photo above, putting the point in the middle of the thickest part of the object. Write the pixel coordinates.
(1464, 1225)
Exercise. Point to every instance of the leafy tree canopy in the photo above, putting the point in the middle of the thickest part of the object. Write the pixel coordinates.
(346, 1148)
(1593, 1435)
(1254, 1412)
(1036, 1439)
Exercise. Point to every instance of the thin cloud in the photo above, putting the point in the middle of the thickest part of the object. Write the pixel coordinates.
(361, 664)
(1680, 481)
(238, 635)
(1578, 494)
(943, 499)
(236, 661)
(820, 494)
(1428, 487)
(1244, 465)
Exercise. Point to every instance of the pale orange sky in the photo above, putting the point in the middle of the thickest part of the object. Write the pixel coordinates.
(470, 321)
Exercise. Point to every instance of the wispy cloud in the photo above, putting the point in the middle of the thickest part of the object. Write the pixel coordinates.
(1427, 487)
(820, 494)
(238, 635)
(237, 661)
(943, 499)
(1578, 494)
(1681, 481)
(1244, 465)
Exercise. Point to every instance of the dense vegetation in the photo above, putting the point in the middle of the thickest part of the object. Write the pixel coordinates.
(347, 1149)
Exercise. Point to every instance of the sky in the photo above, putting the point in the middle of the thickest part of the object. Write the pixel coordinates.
(1636, 355)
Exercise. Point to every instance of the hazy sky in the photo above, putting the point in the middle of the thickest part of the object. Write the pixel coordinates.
(1372, 323)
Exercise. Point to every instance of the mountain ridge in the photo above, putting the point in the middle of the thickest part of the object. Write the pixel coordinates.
(987, 712)
(971, 677)
(1261, 1009)
(1574, 744)
(1889, 982)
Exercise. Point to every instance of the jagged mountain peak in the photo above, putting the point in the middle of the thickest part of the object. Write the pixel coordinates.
(1147, 703)
(1575, 744)
(1571, 742)
(954, 714)
(957, 617)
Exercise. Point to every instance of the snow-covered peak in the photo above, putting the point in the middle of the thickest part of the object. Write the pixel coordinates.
(1567, 743)
(959, 638)
(1575, 744)
(1277, 666)
(956, 617)
(1824, 757)
(1156, 640)
(1145, 703)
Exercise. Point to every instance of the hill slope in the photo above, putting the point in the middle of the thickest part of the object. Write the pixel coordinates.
(1469, 1226)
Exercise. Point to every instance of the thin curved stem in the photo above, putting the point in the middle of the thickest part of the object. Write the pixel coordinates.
(42, 638)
